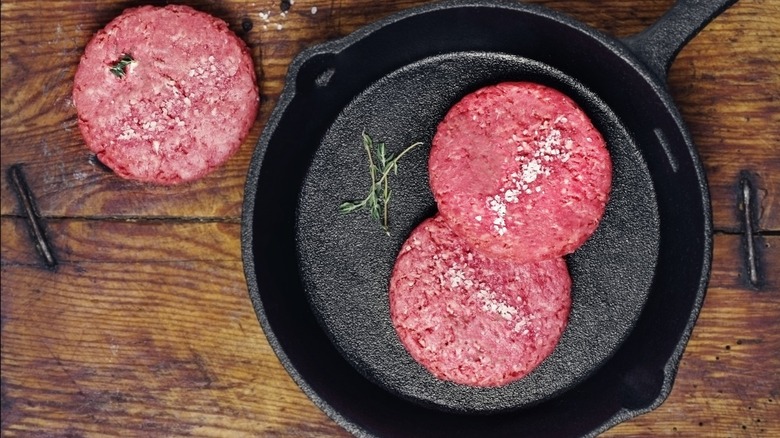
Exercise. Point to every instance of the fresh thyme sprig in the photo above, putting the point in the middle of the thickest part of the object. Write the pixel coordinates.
(119, 68)
(379, 167)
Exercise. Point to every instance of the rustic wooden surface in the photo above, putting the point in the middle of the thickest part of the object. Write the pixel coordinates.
(145, 327)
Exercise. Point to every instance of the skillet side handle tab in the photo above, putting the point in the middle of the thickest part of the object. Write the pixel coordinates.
(660, 43)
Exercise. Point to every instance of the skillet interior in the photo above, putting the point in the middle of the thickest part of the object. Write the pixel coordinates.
(637, 378)
(346, 261)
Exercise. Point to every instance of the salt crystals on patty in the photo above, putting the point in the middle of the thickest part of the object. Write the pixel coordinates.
(520, 172)
(471, 319)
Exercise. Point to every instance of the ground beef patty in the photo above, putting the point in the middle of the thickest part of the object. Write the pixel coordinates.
(180, 98)
(470, 319)
(519, 171)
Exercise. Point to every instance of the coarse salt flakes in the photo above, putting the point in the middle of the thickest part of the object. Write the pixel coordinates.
(461, 315)
(522, 158)
(545, 147)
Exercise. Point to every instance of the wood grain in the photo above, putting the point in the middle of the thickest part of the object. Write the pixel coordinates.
(145, 327)
(726, 82)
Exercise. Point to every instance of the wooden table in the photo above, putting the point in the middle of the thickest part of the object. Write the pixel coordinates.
(145, 326)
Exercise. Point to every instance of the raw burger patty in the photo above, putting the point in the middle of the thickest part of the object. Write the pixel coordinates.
(519, 171)
(470, 319)
(184, 104)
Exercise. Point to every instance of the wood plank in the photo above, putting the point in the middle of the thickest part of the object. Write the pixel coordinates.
(143, 329)
(89, 241)
(147, 328)
(734, 116)
(145, 348)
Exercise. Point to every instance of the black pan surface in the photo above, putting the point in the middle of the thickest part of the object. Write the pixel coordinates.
(296, 247)
(346, 260)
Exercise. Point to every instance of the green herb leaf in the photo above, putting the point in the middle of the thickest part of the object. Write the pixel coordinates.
(381, 158)
(119, 68)
(380, 165)
(349, 207)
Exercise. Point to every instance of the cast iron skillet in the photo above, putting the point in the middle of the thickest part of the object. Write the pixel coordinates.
(318, 279)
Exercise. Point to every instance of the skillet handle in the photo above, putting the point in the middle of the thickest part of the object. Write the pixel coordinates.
(660, 43)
